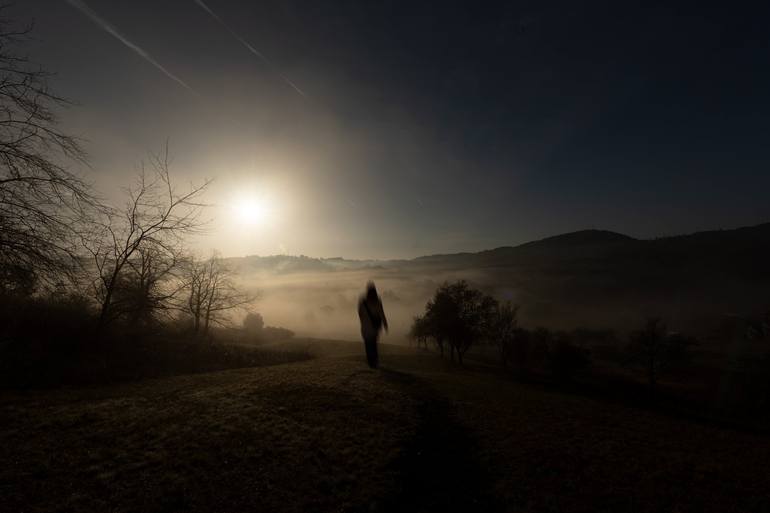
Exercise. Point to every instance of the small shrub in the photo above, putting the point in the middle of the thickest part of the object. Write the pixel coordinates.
(276, 334)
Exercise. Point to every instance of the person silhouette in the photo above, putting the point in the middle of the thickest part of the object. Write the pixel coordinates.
(373, 319)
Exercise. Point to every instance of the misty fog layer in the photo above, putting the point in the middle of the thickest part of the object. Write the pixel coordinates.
(324, 304)
(590, 279)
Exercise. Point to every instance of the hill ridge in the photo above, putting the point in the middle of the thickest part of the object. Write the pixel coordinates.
(586, 237)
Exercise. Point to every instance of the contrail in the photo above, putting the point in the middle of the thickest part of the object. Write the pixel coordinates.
(110, 29)
(250, 48)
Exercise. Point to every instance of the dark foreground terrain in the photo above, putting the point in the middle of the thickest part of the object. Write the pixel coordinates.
(331, 435)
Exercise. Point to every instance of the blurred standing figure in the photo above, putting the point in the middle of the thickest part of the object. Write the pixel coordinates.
(372, 321)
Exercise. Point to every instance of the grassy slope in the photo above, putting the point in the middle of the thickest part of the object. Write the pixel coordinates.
(331, 435)
(285, 438)
(557, 452)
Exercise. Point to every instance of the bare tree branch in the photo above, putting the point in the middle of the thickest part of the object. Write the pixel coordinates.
(211, 293)
(43, 205)
(155, 220)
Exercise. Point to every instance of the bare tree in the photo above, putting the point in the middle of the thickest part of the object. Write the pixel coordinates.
(42, 203)
(420, 332)
(149, 288)
(657, 349)
(155, 218)
(504, 332)
(212, 293)
(198, 290)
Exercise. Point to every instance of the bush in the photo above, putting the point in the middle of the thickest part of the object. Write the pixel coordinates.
(656, 349)
(558, 353)
(53, 321)
(41, 335)
(276, 334)
(565, 357)
(53, 340)
(516, 350)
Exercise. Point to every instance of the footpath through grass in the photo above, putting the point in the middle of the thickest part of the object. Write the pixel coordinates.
(331, 435)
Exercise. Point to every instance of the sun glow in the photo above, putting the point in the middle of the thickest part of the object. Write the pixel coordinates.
(251, 211)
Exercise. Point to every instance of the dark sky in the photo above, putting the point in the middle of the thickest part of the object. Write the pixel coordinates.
(429, 127)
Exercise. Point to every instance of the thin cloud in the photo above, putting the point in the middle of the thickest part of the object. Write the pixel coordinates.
(250, 48)
(110, 29)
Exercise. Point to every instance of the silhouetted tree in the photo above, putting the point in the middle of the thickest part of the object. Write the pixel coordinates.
(657, 349)
(253, 323)
(458, 316)
(420, 332)
(504, 331)
(439, 313)
(149, 288)
(42, 203)
(211, 292)
(155, 218)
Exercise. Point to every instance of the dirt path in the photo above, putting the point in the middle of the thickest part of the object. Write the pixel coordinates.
(438, 470)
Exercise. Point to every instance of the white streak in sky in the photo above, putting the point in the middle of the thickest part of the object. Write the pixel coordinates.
(110, 29)
(245, 43)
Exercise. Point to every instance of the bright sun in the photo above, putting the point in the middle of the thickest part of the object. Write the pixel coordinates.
(251, 211)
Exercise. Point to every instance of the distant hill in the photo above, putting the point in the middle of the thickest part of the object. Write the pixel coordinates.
(581, 237)
(560, 246)
(589, 277)
(609, 278)
(286, 264)
(579, 244)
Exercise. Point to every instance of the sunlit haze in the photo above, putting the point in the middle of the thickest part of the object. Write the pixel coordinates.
(251, 210)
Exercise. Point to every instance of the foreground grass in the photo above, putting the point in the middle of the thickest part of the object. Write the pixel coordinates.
(331, 435)
(551, 451)
(300, 437)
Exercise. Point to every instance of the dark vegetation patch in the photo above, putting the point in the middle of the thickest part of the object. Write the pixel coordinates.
(48, 343)
(722, 378)
(129, 360)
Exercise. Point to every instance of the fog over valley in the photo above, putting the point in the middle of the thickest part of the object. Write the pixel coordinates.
(591, 278)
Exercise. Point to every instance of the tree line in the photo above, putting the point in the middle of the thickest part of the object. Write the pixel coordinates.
(459, 317)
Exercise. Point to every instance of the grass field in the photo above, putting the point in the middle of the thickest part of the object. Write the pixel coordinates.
(331, 435)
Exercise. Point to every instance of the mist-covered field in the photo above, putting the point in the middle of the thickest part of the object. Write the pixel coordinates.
(323, 304)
